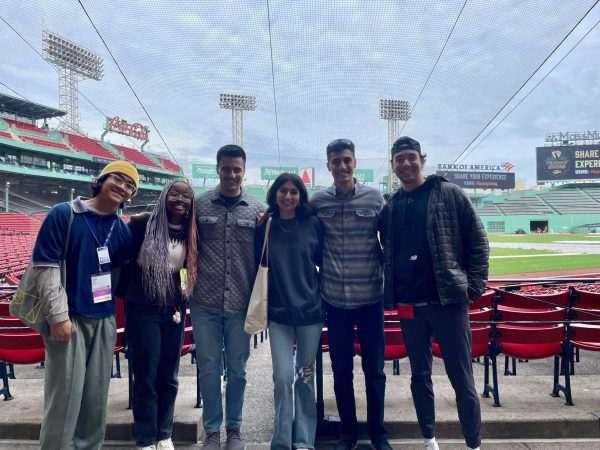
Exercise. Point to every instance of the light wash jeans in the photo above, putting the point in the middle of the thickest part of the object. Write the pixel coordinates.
(294, 395)
(213, 332)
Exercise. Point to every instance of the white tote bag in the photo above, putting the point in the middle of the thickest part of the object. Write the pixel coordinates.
(256, 317)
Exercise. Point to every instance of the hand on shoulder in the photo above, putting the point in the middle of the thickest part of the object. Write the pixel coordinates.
(140, 217)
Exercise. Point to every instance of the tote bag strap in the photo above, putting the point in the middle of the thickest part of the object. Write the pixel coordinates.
(63, 262)
(265, 246)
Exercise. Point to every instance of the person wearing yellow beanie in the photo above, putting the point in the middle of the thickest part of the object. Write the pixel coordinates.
(80, 314)
(122, 167)
(120, 173)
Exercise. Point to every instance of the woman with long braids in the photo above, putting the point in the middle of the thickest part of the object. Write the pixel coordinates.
(295, 311)
(164, 242)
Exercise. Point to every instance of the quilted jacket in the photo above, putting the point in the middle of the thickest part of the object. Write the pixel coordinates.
(226, 265)
(457, 242)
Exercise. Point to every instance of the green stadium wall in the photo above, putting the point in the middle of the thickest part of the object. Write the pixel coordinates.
(556, 223)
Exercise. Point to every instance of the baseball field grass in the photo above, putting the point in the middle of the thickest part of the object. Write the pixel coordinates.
(520, 260)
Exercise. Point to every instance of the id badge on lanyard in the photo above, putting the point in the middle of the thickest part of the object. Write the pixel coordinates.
(101, 287)
(101, 281)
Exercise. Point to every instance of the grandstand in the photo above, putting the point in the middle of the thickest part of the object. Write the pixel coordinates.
(40, 167)
(564, 208)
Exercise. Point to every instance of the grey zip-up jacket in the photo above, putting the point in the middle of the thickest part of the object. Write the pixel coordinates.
(226, 264)
(456, 239)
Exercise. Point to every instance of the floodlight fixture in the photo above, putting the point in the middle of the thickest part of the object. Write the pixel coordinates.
(237, 104)
(394, 111)
(73, 63)
(61, 52)
(241, 102)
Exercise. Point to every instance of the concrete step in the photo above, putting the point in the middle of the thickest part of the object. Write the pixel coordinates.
(527, 412)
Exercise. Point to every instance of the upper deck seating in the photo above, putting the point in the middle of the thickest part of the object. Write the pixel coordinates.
(45, 143)
(25, 126)
(168, 164)
(135, 156)
(89, 146)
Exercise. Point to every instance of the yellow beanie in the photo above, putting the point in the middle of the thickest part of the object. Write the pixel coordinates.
(122, 167)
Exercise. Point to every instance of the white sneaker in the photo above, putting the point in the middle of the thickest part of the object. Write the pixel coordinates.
(430, 444)
(165, 444)
(147, 447)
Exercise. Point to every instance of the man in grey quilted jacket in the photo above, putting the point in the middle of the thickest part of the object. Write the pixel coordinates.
(436, 262)
(226, 218)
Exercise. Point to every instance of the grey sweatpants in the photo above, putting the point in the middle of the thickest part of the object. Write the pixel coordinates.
(76, 380)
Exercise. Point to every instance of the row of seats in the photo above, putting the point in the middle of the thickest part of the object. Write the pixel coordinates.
(135, 156)
(524, 323)
(86, 145)
(20, 223)
(574, 199)
(44, 143)
(25, 126)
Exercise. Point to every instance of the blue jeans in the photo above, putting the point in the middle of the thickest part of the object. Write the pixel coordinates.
(214, 332)
(369, 326)
(155, 343)
(295, 408)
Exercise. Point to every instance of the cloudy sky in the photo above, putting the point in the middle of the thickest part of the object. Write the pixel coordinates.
(326, 65)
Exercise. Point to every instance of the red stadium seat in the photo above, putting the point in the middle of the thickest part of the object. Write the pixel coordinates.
(585, 336)
(19, 347)
(134, 156)
(86, 145)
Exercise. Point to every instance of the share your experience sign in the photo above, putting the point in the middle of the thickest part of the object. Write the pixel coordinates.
(272, 172)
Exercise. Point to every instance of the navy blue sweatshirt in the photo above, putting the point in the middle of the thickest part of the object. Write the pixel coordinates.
(294, 251)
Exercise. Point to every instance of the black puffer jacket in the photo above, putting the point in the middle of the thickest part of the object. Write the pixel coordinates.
(457, 242)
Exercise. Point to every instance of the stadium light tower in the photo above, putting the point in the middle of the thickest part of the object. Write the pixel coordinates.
(393, 111)
(73, 63)
(237, 104)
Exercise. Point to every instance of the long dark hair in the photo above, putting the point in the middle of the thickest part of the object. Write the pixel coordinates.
(156, 272)
(303, 208)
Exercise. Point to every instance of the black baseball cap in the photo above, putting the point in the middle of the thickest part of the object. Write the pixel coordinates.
(405, 143)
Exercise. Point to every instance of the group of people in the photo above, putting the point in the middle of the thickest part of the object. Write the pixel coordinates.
(339, 258)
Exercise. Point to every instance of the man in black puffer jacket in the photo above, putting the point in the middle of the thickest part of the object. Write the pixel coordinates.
(436, 263)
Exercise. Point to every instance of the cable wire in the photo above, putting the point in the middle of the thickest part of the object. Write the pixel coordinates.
(533, 89)
(523, 85)
(273, 82)
(426, 82)
(128, 83)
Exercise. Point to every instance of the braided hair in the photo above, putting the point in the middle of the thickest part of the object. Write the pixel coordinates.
(157, 275)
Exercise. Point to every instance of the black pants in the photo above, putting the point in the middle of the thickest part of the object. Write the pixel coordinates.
(450, 326)
(369, 325)
(155, 344)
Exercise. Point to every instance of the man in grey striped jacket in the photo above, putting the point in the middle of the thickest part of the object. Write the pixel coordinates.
(352, 289)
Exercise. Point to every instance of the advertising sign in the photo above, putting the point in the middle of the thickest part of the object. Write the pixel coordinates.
(480, 180)
(204, 171)
(568, 162)
(272, 172)
(364, 175)
(307, 175)
(121, 126)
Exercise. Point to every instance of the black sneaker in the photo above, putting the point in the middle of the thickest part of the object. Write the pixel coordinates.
(381, 444)
(346, 443)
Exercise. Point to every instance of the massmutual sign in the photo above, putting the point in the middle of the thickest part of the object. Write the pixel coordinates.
(569, 137)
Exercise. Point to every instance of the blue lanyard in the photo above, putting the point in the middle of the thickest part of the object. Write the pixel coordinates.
(94, 232)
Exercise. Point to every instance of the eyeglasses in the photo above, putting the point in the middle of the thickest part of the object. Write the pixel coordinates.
(129, 186)
(174, 195)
